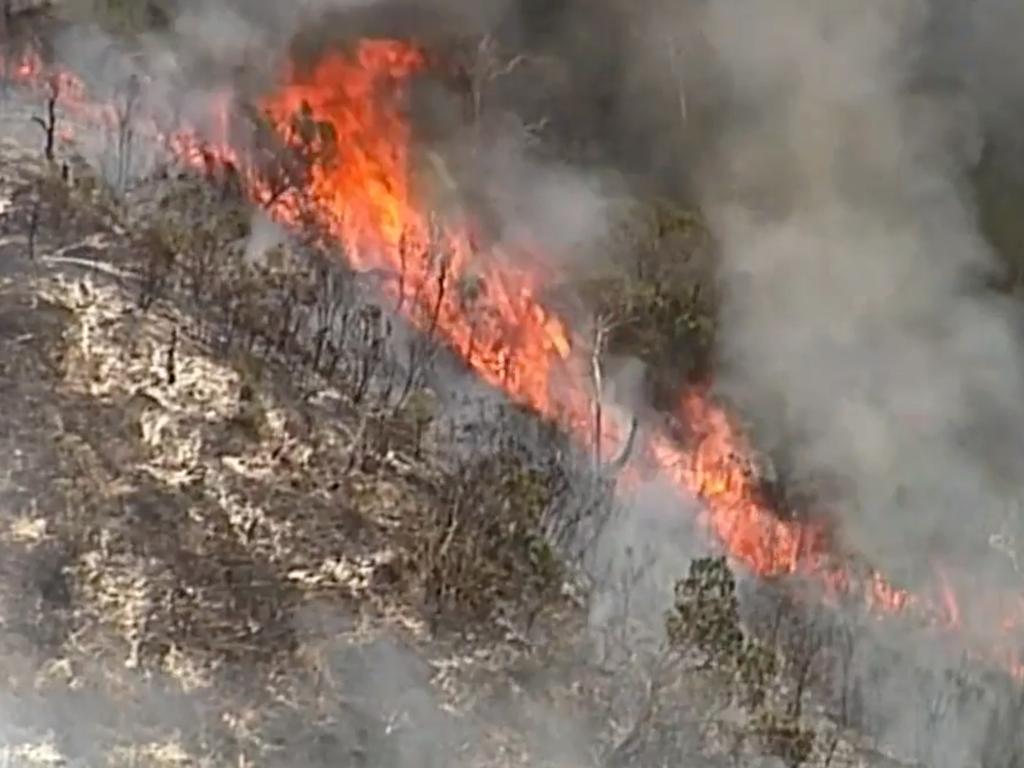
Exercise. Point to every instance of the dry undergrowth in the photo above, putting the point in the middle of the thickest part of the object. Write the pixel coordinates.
(204, 564)
(212, 577)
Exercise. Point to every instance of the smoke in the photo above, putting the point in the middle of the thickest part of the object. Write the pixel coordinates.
(835, 144)
(857, 324)
(859, 327)
(978, 46)
(560, 210)
(637, 559)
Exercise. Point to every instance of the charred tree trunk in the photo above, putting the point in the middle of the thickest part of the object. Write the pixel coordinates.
(49, 124)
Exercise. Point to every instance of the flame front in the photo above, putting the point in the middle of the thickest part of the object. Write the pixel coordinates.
(488, 309)
(365, 197)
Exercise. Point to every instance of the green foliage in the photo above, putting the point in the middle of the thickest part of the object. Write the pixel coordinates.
(757, 668)
(660, 292)
(706, 613)
(662, 318)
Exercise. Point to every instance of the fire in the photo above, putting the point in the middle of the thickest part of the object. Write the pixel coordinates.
(715, 469)
(489, 309)
(366, 199)
(25, 69)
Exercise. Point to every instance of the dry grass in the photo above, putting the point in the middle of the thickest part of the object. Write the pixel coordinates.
(211, 557)
(191, 557)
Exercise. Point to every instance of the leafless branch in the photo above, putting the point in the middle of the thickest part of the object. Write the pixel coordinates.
(620, 461)
(49, 124)
(603, 326)
(33, 224)
(125, 131)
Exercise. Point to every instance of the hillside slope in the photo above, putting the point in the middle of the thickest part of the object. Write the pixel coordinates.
(197, 567)
(241, 528)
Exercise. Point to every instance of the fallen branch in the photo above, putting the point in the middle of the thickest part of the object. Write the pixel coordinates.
(97, 266)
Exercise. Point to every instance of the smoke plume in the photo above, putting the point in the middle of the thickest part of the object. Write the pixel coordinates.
(860, 328)
(858, 325)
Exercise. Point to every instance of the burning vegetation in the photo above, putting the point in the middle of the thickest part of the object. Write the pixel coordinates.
(329, 152)
(348, 111)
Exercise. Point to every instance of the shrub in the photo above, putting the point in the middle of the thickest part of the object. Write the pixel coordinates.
(481, 547)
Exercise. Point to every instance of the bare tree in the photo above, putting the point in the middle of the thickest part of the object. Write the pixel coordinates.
(33, 223)
(675, 65)
(49, 124)
(602, 326)
(170, 360)
(489, 65)
(480, 66)
(125, 131)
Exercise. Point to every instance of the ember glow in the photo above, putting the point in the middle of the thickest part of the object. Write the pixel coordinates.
(25, 68)
(487, 306)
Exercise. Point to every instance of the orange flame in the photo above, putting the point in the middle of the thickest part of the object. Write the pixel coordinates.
(365, 198)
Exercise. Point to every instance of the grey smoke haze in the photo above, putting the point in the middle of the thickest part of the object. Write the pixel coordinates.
(979, 45)
(856, 326)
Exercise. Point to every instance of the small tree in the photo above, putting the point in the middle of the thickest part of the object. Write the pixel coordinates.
(49, 123)
(737, 678)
